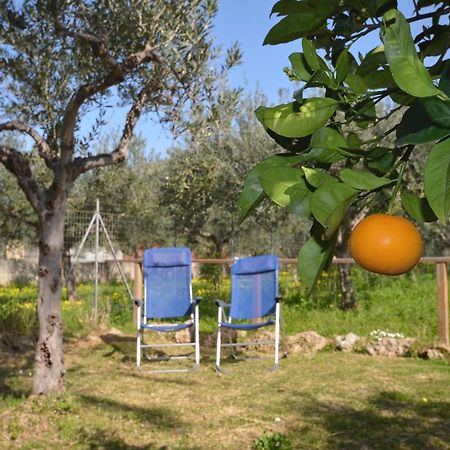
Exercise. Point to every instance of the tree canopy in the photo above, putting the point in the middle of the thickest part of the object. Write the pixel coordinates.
(329, 164)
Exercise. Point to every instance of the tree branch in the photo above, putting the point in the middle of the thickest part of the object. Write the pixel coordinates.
(18, 164)
(81, 165)
(44, 150)
(118, 72)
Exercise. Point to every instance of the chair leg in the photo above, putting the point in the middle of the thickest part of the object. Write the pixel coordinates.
(277, 335)
(219, 339)
(138, 349)
(197, 338)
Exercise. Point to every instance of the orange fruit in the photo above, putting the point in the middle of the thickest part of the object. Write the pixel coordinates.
(384, 244)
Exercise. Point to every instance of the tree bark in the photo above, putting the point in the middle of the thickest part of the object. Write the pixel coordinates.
(69, 276)
(49, 360)
(348, 300)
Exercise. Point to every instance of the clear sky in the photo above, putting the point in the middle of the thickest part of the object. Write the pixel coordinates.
(247, 22)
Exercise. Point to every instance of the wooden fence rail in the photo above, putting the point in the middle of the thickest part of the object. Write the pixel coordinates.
(441, 263)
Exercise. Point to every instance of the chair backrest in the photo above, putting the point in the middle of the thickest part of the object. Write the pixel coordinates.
(254, 287)
(167, 282)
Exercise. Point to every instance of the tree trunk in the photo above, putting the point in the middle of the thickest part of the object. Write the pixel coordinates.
(348, 300)
(49, 361)
(69, 276)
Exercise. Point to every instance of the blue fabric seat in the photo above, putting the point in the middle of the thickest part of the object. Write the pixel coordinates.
(254, 302)
(167, 298)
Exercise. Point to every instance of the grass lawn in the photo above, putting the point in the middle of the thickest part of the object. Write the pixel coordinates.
(328, 401)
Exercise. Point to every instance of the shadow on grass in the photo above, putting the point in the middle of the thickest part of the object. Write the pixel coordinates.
(100, 439)
(156, 417)
(12, 360)
(124, 345)
(390, 420)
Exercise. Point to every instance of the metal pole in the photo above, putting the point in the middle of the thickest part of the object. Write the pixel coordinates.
(75, 259)
(124, 279)
(97, 239)
(442, 292)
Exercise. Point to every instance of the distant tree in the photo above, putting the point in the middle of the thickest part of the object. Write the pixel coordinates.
(63, 61)
(330, 167)
(131, 190)
(203, 182)
(18, 221)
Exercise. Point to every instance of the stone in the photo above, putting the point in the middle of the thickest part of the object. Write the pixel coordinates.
(347, 342)
(390, 347)
(227, 334)
(307, 342)
(431, 353)
(185, 336)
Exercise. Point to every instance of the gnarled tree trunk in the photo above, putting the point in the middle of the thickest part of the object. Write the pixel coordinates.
(348, 299)
(49, 361)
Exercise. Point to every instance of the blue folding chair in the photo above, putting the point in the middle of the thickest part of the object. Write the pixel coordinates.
(167, 295)
(254, 298)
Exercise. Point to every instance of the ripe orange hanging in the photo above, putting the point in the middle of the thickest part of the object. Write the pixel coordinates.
(384, 244)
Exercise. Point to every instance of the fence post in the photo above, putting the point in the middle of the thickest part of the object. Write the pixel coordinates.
(442, 290)
(138, 280)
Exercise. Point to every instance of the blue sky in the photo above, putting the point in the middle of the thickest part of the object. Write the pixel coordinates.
(247, 22)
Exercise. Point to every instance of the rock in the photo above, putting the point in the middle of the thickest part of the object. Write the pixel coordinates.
(347, 342)
(306, 342)
(431, 353)
(227, 334)
(185, 336)
(390, 347)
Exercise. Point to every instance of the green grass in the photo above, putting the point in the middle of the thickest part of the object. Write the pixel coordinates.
(329, 401)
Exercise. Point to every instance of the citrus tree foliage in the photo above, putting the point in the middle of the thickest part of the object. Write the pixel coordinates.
(63, 63)
(329, 166)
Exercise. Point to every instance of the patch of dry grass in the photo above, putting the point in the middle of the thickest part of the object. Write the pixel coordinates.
(329, 401)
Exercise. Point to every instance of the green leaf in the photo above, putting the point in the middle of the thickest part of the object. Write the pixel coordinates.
(380, 160)
(329, 204)
(276, 180)
(438, 111)
(356, 84)
(372, 61)
(407, 69)
(301, 17)
(341, 66)
(437, 179)
(285, 7)
(299, 66)
(314, 256)
(293, 26)
(323, 155)
(418, 207)
(310, 54)
(253, 193)
(417, 127)
(326, 145)
(292, 121)
(293, 145)
(300, 199)
(362, 180)
(317, 178)
(379, 79)
(328, 138)
(444, 82)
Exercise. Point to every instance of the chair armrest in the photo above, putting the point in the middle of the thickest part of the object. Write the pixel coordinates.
(221, 303)
(278, 299)
(197, 300)
(138, 302)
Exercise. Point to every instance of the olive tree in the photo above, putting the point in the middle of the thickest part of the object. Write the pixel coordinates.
(328, 165)
(63, 64)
